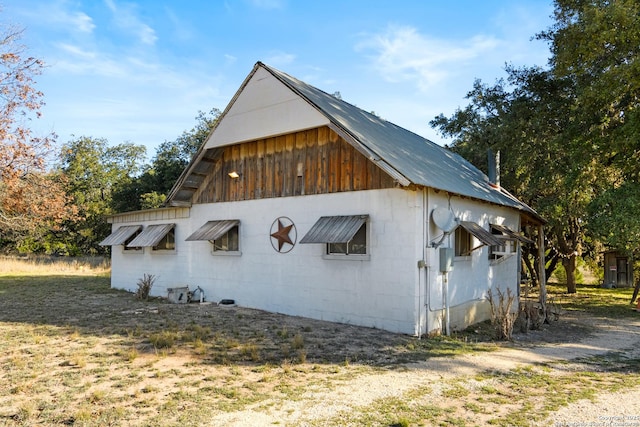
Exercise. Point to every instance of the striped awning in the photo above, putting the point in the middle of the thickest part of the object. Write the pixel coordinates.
(213, 230)
(121, 235)
(480, 233)
(335, 229)
(151, 235)
(511, 234)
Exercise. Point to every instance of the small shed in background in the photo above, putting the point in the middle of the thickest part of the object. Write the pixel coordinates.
(618, 269)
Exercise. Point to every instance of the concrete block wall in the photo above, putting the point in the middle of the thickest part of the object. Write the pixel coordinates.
(378, 292)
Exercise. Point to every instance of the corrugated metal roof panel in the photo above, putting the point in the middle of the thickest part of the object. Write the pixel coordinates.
(151, 235)
(120, 236)
(480, 233)
(509, 232)
(334, 229)
(421, 161)
(213, 230)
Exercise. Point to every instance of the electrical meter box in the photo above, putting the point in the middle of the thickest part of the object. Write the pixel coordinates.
(446, 259)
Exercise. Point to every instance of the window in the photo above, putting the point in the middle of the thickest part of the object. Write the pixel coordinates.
(161, 237)
(463, 242)
(508, 242)
(123, 236)
(228, 242)
(475, 230)
(224, 236)
(129, 240)
(167, 243)
(356, 246)
(344, 237)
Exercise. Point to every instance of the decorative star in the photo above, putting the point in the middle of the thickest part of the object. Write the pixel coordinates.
(282, 235)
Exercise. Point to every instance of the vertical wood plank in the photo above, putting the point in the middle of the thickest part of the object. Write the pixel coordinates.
(359, 172)
(235, 183)
(346, 166)
(278, 182)
(260, 149)
(311, 163)
(300, 163)
(269, 167)
(322, 161)
(250, 170)
(334, 163)
(289, 170)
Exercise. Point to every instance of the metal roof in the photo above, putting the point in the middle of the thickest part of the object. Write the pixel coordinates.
(121, 235)
(407, 157)
(334, 229)
(419, 160)
(151, 235)
(213, 230)
(480, 233)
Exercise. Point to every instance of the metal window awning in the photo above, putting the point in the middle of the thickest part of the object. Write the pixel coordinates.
(151, 235)
(121, 235)
(213, 230)
(480, 233)
(335, 229)
(511, 234)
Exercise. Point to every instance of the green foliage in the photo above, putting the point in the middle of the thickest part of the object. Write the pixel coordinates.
(150, 189)
(597, 45)
(561, 276)
(94, 169)
(569, 135)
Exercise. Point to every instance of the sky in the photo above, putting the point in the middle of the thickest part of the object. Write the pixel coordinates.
(140, 71)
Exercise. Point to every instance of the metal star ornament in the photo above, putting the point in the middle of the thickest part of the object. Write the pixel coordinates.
(283, 231)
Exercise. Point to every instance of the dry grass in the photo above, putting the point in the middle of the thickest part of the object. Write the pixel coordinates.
(48, 265)
(75, 352)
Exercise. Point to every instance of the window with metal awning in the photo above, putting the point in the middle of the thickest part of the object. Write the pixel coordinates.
(223, 234)
(343, 235)
(509, 233)
(484, 236)
(158, 236)
(121, 235)
(508, 242)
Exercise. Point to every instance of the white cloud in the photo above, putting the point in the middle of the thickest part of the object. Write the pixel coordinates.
(81, 21)
(267, 4)
(403, 54)
(279, 59)
(125, 17)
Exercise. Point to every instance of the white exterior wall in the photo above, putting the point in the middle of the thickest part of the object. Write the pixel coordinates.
(389, 291)
(472, 276)
(382, 292)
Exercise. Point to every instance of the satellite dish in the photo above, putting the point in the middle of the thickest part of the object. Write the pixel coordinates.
(443, 219)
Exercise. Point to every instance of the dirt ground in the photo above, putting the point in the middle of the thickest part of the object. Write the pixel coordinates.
(89, 355)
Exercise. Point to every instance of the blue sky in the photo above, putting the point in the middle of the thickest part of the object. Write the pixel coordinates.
(139, 71)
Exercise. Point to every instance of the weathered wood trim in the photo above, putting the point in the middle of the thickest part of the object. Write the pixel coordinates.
(150, 215)
(314, 161)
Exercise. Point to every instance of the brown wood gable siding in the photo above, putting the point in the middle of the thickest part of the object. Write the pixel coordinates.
(315, 161)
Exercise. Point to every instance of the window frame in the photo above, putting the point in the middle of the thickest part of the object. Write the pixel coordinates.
(132, 249)
(168, 239)
(233, 231)
(361, 234)
(507, 249)
(462, 252)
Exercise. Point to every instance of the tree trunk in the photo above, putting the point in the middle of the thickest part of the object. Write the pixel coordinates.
(569, 265)
(531, 268)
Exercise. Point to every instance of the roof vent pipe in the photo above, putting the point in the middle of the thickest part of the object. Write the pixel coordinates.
(494, 167)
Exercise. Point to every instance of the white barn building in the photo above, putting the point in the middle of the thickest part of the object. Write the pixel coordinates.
(303, 204)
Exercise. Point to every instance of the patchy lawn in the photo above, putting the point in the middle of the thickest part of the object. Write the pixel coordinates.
(75, 352)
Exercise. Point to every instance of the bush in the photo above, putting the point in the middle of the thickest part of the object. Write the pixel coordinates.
(144, 286)
(502, 315)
